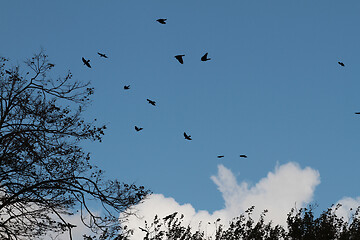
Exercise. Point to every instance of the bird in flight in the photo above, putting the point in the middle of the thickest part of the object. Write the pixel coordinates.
(126, 87)
(341, 64)
(102, 55)
(151, 102)
(205, 58)
(86, 62)
(162, 20)
(180, 58)
(220, 156)
(187, 137)
(243, 156)
(138, 128)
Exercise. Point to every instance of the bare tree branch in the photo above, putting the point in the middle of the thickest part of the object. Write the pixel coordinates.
(44, 173)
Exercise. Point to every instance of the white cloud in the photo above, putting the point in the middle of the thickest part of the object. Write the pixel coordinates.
(159, 205)
(278, 192)
(348, 207)
(76, 232)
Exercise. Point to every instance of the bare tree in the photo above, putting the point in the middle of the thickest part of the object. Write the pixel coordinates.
(44, 173)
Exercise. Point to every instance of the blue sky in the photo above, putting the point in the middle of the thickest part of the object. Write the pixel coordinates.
(273, 89)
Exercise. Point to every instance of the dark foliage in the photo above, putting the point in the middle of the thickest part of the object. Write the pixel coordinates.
(302, 225)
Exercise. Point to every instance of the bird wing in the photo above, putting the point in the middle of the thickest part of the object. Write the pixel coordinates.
(162, 20)
(188, 137)
(179, 58)
(86, 62)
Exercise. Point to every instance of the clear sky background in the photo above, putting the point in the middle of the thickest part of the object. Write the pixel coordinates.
(273, 89)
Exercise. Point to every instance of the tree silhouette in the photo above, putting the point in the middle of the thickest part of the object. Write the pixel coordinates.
(44, 173)
(301, 225)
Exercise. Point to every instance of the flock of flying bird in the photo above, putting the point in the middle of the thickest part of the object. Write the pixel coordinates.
(179, 57)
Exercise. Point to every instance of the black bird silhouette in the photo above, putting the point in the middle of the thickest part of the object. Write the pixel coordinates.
(126, 87)
(180, 58)
(341, 64)
(102, 55)
(357, 113)
(138, 128)
(187, 137)
(220, 156)
(86, 62)
(205, 58)
(162, 20)
(151, 102)
(243, 156)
